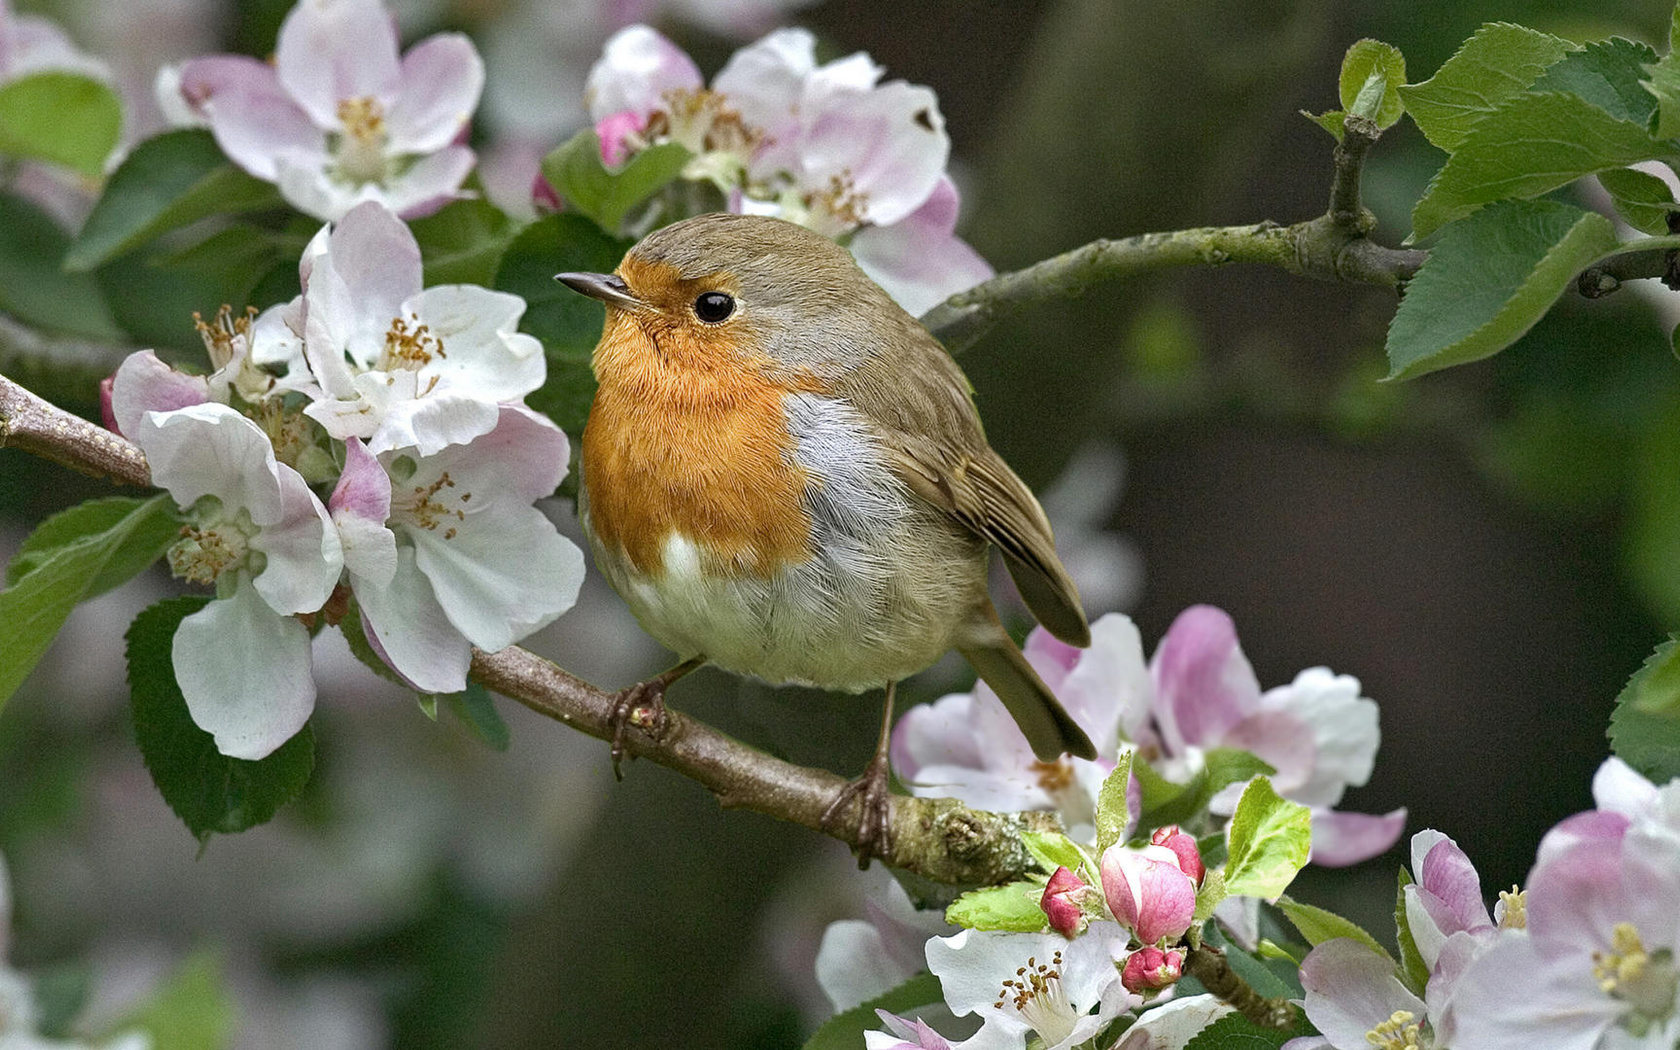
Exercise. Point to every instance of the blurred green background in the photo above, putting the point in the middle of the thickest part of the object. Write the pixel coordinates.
(1490, 550)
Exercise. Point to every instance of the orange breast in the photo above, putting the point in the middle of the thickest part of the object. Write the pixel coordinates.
(681, 441)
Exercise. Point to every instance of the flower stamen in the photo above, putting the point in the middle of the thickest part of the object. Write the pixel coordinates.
(1397, 1033)
(408, 347)
(361, 146)
(429, 506)
(202, 555)
(1515, 901)
(1037, 995)
(1644, 979)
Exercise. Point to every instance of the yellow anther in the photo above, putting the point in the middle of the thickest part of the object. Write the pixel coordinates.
(1397, 1033)
(1516, 909)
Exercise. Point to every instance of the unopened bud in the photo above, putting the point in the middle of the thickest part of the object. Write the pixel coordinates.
(1189, 857)
(1148, 892)
(1149, 969)
(1062, 902)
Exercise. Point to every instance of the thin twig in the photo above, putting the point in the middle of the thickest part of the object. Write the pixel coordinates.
(1207, 964)
(31, 424)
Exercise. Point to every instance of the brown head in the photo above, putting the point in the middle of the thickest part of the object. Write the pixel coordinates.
(740, 291)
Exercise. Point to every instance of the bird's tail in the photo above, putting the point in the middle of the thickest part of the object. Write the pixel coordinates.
(1042, 718)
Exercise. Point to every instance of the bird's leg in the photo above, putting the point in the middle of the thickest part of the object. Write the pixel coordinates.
(872, 791)
(643, 706)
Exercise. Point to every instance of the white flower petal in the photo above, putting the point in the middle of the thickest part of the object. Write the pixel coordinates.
(636, 68)
(303, 551)
(245, 673)
(211, 449)
(332, 50)
(144, 384)
(430, 424)
(1344, 730)
(440, 81)
(502, 576)
(1109, 691)
(853, 966)
(1351, 989)
(889, 144)
(429, 183)
(412, 630)
(1172, 1025)
(484, 353)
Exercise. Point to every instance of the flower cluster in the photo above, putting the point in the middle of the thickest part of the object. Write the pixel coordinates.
(1198, 693)
(1592, 942)
(405, 404)
(827, 146)
(340, 117)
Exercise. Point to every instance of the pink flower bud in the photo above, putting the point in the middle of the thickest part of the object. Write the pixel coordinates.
(1061, 902)
(1189, 858)
(615, 132)
(544, 196)
(1148, 892)
(1149, 968)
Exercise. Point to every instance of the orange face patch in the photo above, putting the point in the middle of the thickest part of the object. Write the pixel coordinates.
(687, 434)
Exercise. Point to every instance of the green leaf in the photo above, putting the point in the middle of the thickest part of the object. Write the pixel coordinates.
(477, 711)
(1270, 838)
(1013, 907)
(1607, 74)
(34, 287)
(86, 550)
(1236, 1032)
(1643, 200)
(167, 182)
(575, 171)
(1529, 146)
(1274, 980)
(1496, 64)
(1491, 277)
(844, 1031)
(1331, 121)
(193, 1010)
(1112, 810)
(1167, 803)
(1645, 726)
(209, 791)
(63, 118)
(1372, 73)
(1318, 925)
(1209, 895)
(151, 535)
(1414, 972)
(1053, 851)
(462, 243)
(568, 324)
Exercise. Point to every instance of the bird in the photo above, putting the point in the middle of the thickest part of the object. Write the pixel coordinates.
(784, 475)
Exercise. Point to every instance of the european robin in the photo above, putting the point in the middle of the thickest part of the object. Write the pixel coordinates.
(784, 475)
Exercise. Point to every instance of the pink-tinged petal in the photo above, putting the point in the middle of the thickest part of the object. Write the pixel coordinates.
(615, 130)
(358, 280)
(1451, 963)
(1514, 997)
(439, 85)
(255, 122)
(1061, 902)
(1051, 657)
(304, 557)
(1599, 826)
(333, 50)
(412, 631)
(1619, 789)
(1340, 839)
(245, 673)
(919, 260)
(637, 67)
(1577, 897)
(171, 103)
(906, 1034)
(212, 450)
(1283, 741)
(765, 82)
(1343, 728)
(519, 462)
(1351, 989)
(107, 411)
(430, 183)
(1110, 692)
(145, 384)
(1451, 891)
(1147, 892)
(937, 734)
(1204, 684)
(503, 576)
(1184, 848)
(360, 505)
(999, 790)
(889, 144)
(1172, 1025)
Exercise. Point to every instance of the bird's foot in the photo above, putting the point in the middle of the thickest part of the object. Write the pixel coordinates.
(641, 705)
(873, 796)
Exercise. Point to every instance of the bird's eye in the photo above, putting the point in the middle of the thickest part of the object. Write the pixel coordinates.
(713, 307)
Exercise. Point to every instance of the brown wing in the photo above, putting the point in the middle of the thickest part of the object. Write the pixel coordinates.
(920, 399)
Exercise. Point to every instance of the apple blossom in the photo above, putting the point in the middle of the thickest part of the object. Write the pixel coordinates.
(340, 117)
(1037, 986)
(446, 551)
(827, 146)
(904, 1034)
(1148, 892)
(1063, 902)
(1355, 999)
(400, 365)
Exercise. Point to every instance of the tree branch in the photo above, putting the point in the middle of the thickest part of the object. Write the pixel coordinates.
(31, 424)
(1207, 964)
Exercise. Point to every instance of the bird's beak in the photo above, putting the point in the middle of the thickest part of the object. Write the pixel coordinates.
(607, 287)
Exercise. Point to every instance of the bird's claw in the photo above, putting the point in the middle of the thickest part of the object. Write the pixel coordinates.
(874, 811)
(641, 705)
